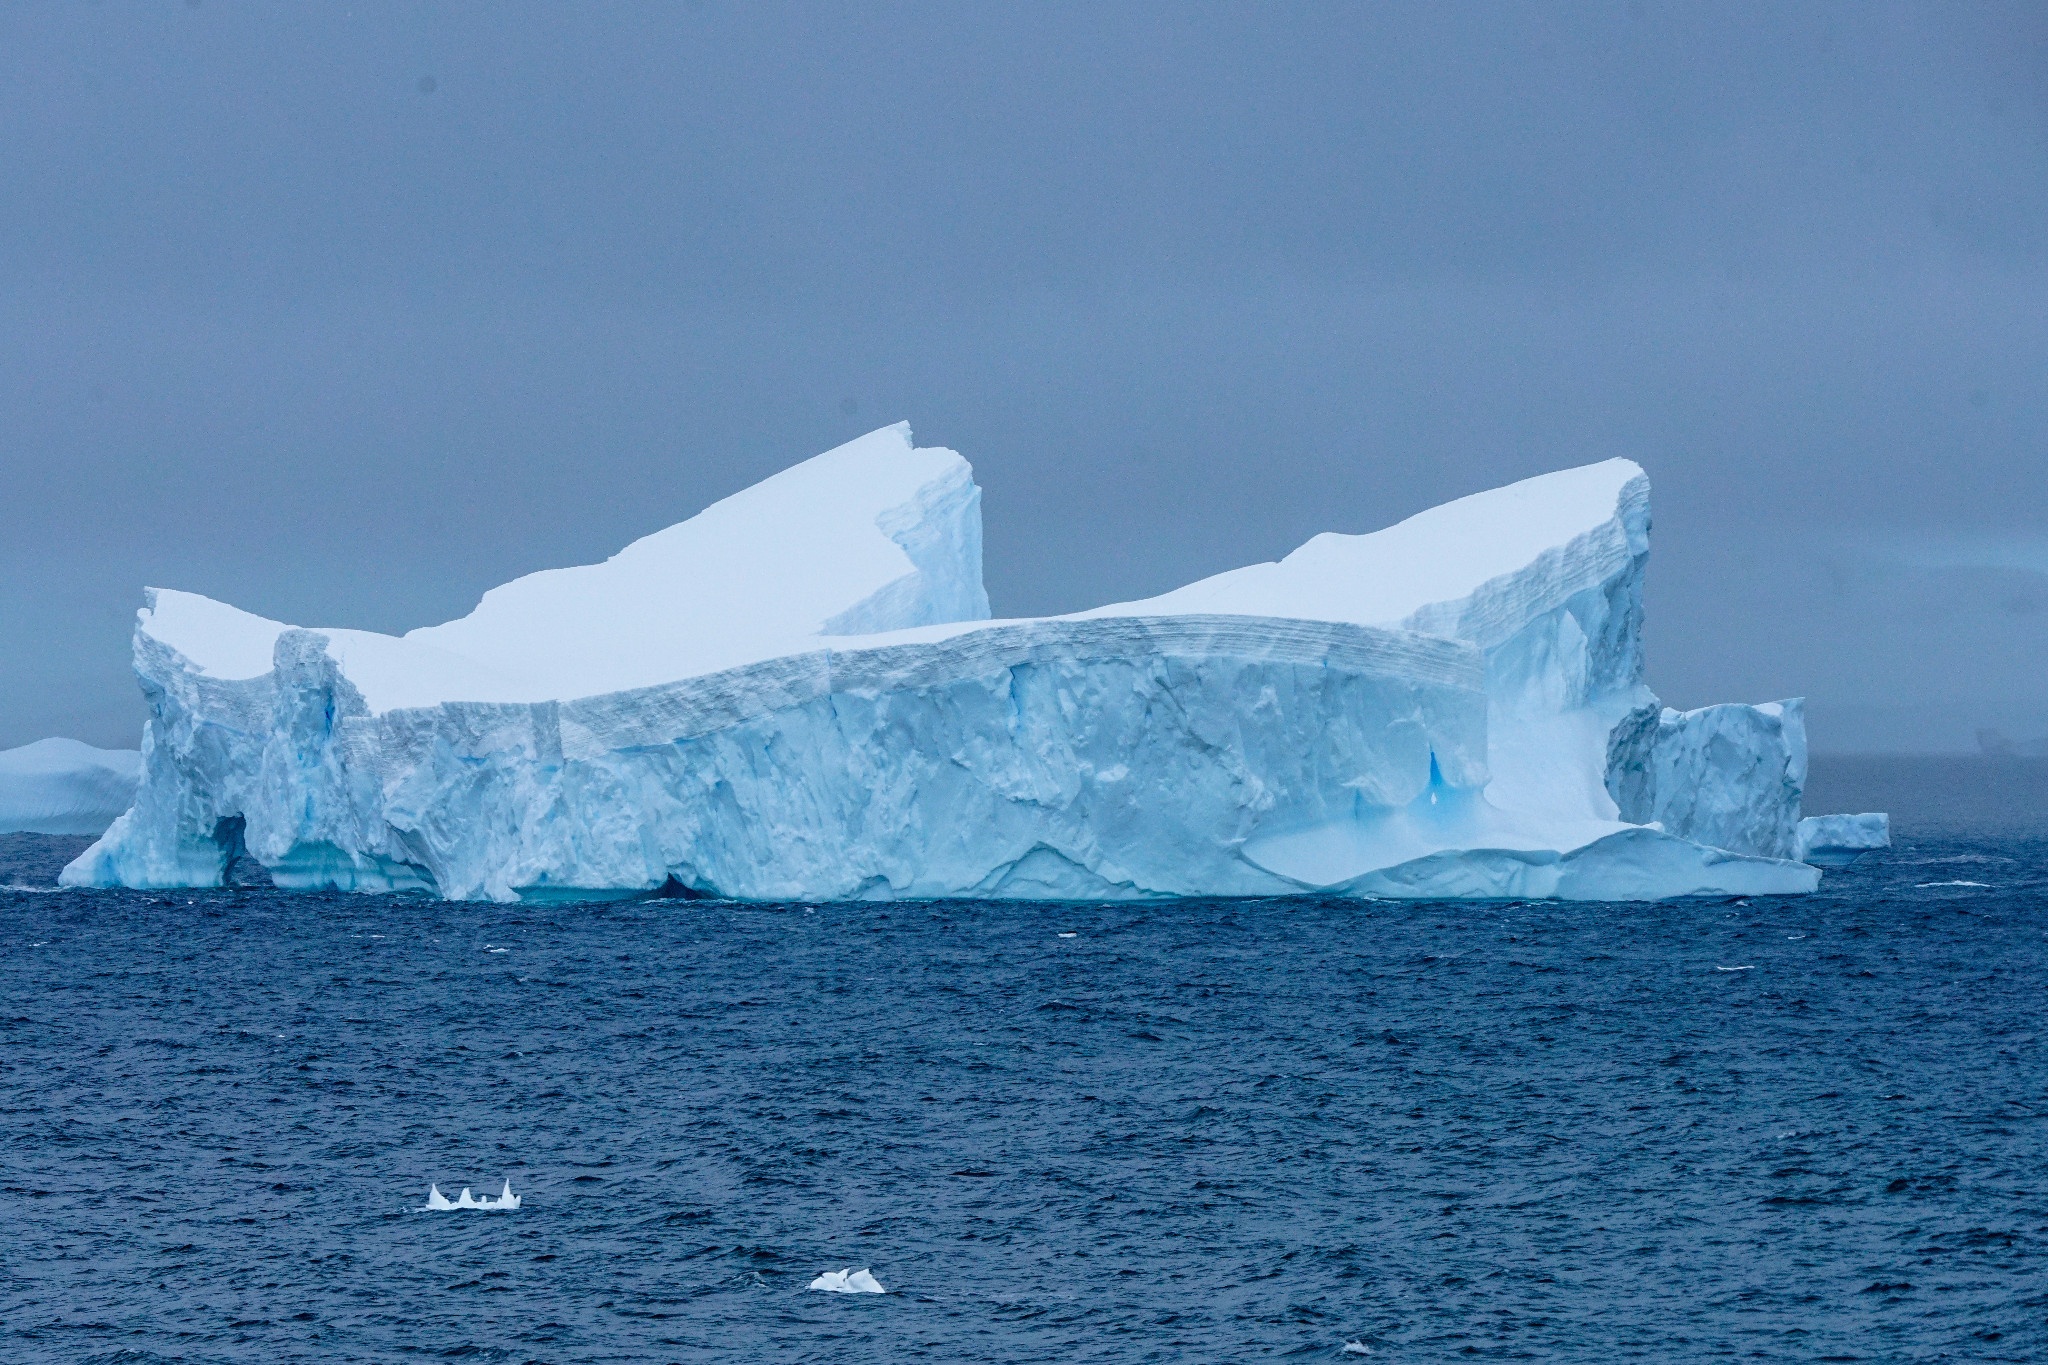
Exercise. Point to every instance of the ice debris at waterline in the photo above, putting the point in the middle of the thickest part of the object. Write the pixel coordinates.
(848, 1282)
(797, 694)
(60, 786)
(505, 1200)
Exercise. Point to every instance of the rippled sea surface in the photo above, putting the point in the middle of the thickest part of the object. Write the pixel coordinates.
(1782, 1130)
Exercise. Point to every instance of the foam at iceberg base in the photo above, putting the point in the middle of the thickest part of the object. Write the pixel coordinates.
(798, 694)
(60, 786)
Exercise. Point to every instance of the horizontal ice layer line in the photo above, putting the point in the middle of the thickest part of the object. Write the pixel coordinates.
(590, 726)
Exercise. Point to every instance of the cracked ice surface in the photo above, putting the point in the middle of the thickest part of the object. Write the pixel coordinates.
(797, 694)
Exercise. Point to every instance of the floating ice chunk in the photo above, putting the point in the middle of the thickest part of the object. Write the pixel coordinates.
(505, 1200)
(1838, 840)
(1924, 886)
(1726, 776)
(1356, 1348)
(1749, 968)
(1067, 935)
(848, 1282)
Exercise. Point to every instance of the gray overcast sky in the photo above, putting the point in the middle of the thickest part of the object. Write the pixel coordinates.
(345, 313)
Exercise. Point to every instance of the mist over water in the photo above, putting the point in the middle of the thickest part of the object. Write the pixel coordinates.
(1786, 1129)
(1935, 793)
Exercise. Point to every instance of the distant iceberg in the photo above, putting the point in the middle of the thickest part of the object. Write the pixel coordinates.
(1994, 744)
(60, 786)
(798, 694)
(848, 1282)
(438, 1201)
(1838, 840)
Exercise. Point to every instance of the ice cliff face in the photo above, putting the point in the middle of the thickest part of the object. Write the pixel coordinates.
(797, 694)
(60, 786)
(1730, 776)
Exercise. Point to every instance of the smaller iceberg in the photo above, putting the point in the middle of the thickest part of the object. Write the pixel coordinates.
(848, 1282)
(1838, 840)
(438, 1201)
(60, 786)
(1994, 744)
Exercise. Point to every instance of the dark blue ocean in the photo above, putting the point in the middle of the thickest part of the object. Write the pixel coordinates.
(1784, 1130)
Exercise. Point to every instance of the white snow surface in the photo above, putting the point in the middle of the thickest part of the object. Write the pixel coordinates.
(796, 694)
(1478, 569)
(61, 786)
(873, 535)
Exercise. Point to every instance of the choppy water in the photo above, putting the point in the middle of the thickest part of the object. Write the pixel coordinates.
(1783, 1130)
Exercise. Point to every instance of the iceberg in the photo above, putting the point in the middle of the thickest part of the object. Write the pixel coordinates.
(799, 694)
(60, 786)
(1839, 840)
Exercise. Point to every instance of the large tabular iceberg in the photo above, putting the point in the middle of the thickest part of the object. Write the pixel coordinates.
(60, 786)
(797, 694)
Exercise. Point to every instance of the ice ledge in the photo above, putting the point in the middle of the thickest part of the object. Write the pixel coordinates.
(1632, 864)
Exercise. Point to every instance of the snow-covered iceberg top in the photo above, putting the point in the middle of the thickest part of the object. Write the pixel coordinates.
(871, 536)
(797, 694)
(61, 786)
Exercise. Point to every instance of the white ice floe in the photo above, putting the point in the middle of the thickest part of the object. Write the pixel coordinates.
(848, 1282)
(505, 1200)
(1923, 886)
(1749, 968)
(1356, 1348)
(798, 694)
